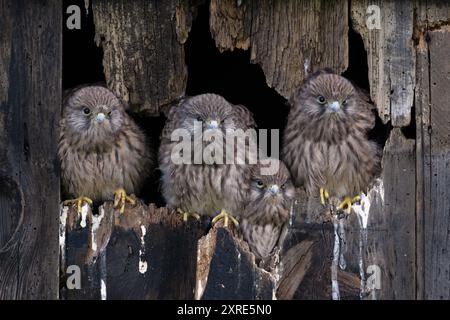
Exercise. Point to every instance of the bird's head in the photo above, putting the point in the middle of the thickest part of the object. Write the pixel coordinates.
(209, 112)
(94, 115)
(328, 95)
(274, 190)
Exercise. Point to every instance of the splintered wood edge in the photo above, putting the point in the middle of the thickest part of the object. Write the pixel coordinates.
(100, 226)
(205, 252)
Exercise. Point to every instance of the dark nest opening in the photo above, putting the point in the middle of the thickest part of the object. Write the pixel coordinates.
(232, 75)
(82, 59)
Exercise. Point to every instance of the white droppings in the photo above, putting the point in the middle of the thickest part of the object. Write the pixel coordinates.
(103, 275)
(84, 212)
(335, 295)
(362, 209)
(96, 220)
(62, 233)
(334, 265)
(142, 263)
(103, 289)
(144, 232)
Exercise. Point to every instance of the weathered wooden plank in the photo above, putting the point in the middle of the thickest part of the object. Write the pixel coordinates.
(436, 145)
(226, 270)
(30, 75)
(130, 255)
(287, 38)
(143, 49)
(390, 55)
(315, 262)
(367, 255)
(391, 223)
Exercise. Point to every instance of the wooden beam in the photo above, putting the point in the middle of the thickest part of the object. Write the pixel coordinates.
(30, 104)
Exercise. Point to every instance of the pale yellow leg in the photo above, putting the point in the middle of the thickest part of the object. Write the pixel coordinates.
(186, 215)
(323, 195)
(223, 214)
(79, 202)
(120, 198)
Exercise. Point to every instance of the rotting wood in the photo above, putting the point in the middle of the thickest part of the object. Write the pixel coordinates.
(227, 270)
(286, 38)
(30, 78)
(390, 56)
(132, 254)
(143, 49)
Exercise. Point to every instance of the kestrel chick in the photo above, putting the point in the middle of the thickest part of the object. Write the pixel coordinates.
(267, 208)
(325, 142)
(103, 152)
(200, 187)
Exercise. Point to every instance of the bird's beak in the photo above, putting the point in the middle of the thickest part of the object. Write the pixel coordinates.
(334, 106)
(274, 189)
(100, 117)
(212, 124)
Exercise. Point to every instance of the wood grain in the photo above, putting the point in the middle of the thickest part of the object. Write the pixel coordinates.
(30, 80)
(284, 37)
(134, 254)
(390, 57)
(143, 50)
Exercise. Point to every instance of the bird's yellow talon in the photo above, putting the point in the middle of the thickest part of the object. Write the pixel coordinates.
(347, 203)
(323, 195)
(120, 198)
(223, 214)
(79, 202)
(187, 214)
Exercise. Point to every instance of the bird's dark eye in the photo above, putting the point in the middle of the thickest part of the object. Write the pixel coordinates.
(321, 99)
(259, 184)
(87, 111)
(344, 102)
(283, 186)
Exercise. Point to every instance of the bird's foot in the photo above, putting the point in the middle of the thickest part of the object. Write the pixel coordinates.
(225, 216)
(324, 195)
(346, 204)
(79, 202)
(120, 198)
(187, 214)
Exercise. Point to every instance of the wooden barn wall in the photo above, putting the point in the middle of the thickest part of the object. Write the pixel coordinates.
(407, 231)
(30, 104)
(432, 39)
